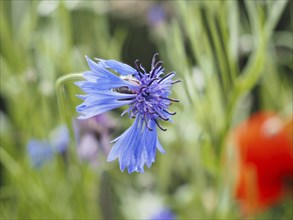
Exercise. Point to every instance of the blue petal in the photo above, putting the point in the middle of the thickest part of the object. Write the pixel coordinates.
(126, 136)
(104, 77)
(136, 147)
(93, 106)
(98, 100)
(94, 89)
(118, 67)
(90, 76)
(160, 148)
(150, 138)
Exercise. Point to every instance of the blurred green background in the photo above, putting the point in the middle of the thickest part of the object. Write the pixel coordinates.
(233, 57)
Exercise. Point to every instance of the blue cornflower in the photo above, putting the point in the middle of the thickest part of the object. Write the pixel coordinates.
(146, 94)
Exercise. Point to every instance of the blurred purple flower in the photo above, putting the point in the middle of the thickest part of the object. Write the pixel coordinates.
(156, 15)
(88, 149)
(39, 151)
(164, 214)
(92, 137)
(97, 124)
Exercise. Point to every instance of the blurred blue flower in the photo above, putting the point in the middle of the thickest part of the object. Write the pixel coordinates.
(39, 151)
(60, 138)
(146, 94)
(164, 214)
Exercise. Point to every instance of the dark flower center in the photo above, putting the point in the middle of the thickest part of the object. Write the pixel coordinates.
(151, 100)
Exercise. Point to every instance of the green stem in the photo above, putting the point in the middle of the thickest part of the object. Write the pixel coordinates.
(249, 77)
(230, 59)
(59, 86)
(219, 55)
(60, 91)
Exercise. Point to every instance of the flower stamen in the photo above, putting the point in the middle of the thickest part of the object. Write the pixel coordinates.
(165, 77)
(152, 81)
(170, 113)
(157, 65)
(142, 68)
(157, 123)
(154, 59)
(176, 81)
(136, 64)
(169, 99)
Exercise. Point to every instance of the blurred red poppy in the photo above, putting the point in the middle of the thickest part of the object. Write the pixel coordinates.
(264, 144)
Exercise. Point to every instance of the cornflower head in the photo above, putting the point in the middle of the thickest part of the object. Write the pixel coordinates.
(111, 84)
